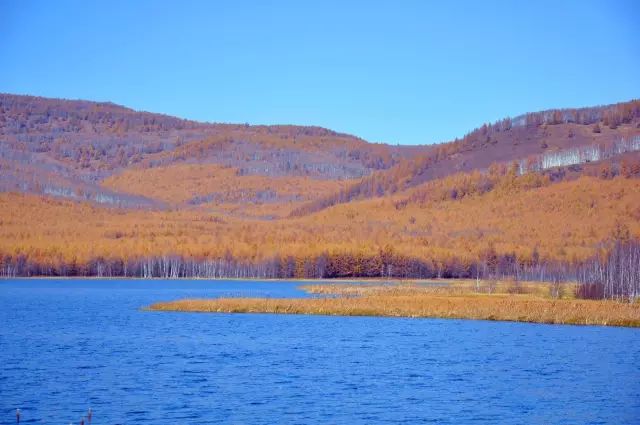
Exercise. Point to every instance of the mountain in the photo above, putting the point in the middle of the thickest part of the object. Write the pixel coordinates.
(110, 154)
(536, 141)
(98, 189)
(68, 148)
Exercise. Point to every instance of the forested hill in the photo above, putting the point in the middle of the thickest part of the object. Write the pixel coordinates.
(104, 190)
(67, 148)
(535, 141)
(109, 154)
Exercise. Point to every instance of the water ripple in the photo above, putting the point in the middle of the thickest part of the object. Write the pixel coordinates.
(70, 345)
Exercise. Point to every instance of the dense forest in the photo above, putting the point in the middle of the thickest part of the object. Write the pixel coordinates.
(66, 148)
(535, 141)
(96, 189)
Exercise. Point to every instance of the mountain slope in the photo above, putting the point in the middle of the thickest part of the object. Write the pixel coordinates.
(520, 223)
(538, 140)
(286, 201)
(66, 148)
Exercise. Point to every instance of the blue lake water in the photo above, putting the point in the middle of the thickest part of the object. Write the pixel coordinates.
(67, 345)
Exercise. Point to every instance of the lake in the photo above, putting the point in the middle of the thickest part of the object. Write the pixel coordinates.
(67, 345)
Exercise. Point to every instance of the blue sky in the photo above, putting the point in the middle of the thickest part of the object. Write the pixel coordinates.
(403, 72)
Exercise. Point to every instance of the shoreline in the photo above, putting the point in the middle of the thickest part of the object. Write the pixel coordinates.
(410, 301)
(532, 322)
(242, 279)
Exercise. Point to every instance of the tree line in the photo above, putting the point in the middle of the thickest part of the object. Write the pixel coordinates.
(385, 264)
(614, 274)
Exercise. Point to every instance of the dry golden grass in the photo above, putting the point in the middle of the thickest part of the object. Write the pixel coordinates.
(456, 301)
(453, 287)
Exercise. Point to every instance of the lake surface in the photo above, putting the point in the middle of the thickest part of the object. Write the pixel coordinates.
(67, 345)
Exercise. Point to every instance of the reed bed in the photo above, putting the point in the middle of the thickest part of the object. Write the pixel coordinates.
(424, 301)
(444, 287)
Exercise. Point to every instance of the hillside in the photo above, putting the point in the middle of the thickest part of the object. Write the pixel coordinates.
(214, 187)
(536, 141)
(519, 221)
(96, 188)
(66, 148)
(109, 154)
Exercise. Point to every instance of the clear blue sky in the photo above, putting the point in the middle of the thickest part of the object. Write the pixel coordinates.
(397, 71)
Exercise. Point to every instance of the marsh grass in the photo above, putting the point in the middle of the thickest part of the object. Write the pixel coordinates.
(531, 304)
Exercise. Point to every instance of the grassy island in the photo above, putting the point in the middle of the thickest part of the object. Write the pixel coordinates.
(502, 301)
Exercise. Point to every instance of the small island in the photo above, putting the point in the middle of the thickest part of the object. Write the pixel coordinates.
(534, 302)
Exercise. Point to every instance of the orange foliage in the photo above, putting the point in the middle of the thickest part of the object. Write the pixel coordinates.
(203, 183)
(565, 221)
